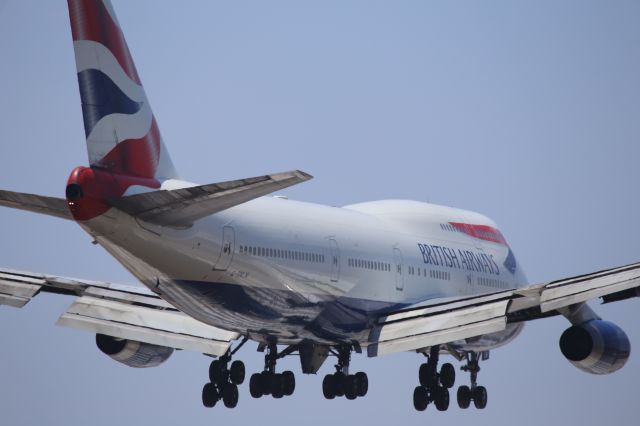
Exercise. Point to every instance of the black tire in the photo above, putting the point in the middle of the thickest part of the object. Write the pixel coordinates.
(328, 386)
(423, 375)
(420, 398)
(447, 375)
(215, 371)
(237, 372)
(362, 383)
(480, 397)
(255, 385)
(265, 382)
(289, 380)
(441, 398)
(464, 397)
(209, 395)
(350, 387)
(338, 383)
(230, 395)
(277, 386)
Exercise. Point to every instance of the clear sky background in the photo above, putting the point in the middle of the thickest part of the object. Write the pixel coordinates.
(528, 112)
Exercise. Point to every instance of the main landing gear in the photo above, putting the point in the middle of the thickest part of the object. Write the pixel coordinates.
(269, 382)
(224, 380)
(341, 383)
(434, 387)
(475, 393)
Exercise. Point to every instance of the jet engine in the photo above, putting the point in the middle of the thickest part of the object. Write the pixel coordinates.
(596, 346)
(133, 353)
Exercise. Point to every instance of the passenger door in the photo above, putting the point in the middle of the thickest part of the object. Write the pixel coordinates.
(334, 259)
(227, 249)
(397, 256)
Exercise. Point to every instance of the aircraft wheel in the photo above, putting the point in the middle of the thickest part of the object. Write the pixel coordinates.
(230, 395)
(237, 372)
(442, 398)
(362, 383)
(265, 382)
(447, 375)
(338, 383)
(216, 371)
(209, 395)
(480, 397)
(420, 398)
(329, 386)
(351, 387)
(289, 380)
(464, 397)
(255, 385)
(423, 374)
(277, 386)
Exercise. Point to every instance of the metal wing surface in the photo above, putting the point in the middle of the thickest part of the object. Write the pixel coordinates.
(181, 207)
(124, 312)
(442, 322)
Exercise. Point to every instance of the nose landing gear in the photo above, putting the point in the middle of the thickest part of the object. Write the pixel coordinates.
(434, 387)
(475, 393)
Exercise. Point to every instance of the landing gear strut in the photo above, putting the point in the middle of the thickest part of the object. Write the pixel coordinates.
(475, 393)
(434, 387)
(341, 383)
(268, 382)
(224, 380)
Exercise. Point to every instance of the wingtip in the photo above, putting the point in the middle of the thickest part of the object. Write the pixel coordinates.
(304, 175)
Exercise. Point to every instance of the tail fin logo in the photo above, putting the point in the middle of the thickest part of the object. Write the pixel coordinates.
(122, 133)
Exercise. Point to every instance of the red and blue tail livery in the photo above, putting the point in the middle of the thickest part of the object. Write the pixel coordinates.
(122, 133)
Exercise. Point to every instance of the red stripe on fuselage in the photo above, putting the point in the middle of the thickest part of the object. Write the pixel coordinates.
(90, 20)
(483, 232)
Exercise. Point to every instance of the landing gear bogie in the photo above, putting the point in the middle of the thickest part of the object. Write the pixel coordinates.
(341, 383)
(224, 380)
(434, 386)
(268, 382)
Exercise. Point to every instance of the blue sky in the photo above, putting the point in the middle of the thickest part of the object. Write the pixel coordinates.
(528, 112)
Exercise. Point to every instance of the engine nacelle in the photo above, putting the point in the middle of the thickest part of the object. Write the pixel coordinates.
(133, 353)
(596, 346)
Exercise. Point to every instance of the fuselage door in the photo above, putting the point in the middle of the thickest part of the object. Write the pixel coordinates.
(334, 259)
(228, 247)
(397, 256)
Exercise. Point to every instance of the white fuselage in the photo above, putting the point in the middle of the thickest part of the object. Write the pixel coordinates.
(276, 268)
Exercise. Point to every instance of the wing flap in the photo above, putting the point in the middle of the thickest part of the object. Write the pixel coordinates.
(580, 289)
(439, 328)
(445, 321)
(125, 312)
(181, 207)
(169, 328)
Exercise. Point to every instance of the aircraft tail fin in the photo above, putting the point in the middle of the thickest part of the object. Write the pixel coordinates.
(121, 130)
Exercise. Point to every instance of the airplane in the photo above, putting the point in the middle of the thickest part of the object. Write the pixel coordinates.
(223, 263)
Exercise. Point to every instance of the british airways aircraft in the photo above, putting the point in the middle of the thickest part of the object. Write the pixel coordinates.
(225, 263)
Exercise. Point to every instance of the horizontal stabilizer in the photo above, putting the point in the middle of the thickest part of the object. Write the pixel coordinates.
(36, 203)
(181, 207)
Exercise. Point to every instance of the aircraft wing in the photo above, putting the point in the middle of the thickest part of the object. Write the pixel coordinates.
(125, 312)
(419, 327)
(181, 207)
